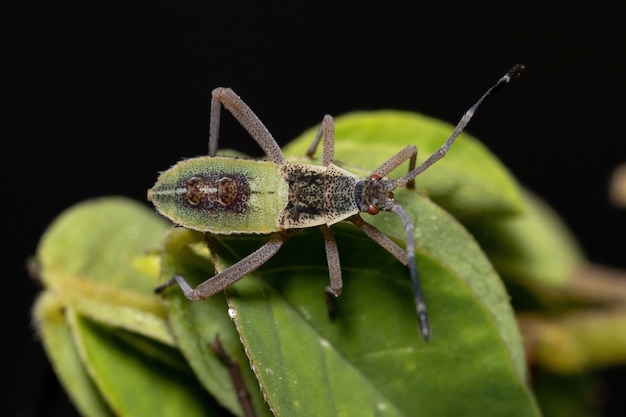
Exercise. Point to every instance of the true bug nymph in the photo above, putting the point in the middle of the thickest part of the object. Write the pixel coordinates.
(226, 195)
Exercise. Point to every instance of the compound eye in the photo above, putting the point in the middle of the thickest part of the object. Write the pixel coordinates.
(372, 209)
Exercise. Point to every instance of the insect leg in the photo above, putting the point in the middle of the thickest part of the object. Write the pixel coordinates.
(334, 269)
(327, 131)
(410, 153)
(334, 266)
(379, 237)
(232, 274)
(245, 116)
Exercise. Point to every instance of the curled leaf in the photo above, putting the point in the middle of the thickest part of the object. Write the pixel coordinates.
(103, 328)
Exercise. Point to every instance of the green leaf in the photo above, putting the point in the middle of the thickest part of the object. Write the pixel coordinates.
(137, 376)
(468, 182)
(55, 333)
(371, 359)
(102, 326)
(95, 257)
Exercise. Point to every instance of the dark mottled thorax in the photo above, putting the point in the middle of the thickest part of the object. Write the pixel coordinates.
(317, 195)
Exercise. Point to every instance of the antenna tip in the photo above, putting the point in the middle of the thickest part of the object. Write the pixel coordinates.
(423, 318)
(516, 71)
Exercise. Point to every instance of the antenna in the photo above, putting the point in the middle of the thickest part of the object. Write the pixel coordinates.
(511, 74)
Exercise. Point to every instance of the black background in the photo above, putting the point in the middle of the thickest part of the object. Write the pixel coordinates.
(102, 96)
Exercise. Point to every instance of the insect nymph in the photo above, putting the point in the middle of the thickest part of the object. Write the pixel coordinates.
(226, 195)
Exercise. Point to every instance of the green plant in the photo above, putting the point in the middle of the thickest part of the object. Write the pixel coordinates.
(120, 349)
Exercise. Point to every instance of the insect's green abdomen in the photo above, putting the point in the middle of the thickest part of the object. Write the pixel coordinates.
(221, 195)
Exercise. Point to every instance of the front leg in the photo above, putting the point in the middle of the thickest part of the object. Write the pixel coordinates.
(409, 152)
